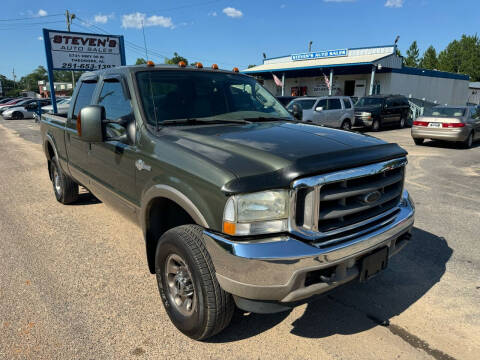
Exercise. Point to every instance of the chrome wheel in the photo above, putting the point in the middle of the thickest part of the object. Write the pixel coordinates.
(56, 181)
(181, 290)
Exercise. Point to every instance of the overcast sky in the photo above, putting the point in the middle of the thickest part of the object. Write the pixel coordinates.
(234, 32)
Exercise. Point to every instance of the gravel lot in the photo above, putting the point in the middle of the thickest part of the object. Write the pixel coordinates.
(74, 282)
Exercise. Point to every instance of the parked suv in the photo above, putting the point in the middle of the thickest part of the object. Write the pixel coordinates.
(376, 111)
(332, 111)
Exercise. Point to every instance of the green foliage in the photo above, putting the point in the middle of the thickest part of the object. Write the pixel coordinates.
(251, 66)
(462, 56)
(413, 54)
(429, 59)
(176, 59)
(140, 61)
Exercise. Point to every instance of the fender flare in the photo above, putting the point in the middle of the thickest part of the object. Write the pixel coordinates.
(49, 140)
(168, 192)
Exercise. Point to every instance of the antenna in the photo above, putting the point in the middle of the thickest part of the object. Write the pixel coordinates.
(145, 41)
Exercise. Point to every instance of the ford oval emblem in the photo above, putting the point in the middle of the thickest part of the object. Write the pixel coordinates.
(372, 197)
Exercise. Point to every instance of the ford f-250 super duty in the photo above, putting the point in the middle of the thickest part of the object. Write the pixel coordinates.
(240, 204)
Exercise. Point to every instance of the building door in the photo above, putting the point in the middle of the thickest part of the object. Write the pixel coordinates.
(349, 88)
(360, 88)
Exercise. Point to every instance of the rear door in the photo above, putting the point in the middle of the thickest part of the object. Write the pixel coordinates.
(390, 111)
(475, 115)
(334, 112)
(112, 162)
(77, 149)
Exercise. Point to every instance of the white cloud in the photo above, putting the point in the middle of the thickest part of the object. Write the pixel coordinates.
(102, 19)
(40, 38)
(42, 12)
(232, 12)
(394, 3)
(212, 13)
(135, 20)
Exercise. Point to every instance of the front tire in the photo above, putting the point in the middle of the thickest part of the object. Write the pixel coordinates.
(467, 144)
(17, 115)
(376, 125)
(64, 188)
(191, 294)
(401, 125)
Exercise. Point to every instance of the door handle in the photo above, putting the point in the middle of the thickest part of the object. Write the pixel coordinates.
(140, 165)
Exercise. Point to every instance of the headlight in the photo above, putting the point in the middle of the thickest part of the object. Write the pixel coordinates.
(257, 213)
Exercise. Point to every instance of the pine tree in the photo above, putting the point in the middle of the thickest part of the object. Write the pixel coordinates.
(413, 54)
(429, 59)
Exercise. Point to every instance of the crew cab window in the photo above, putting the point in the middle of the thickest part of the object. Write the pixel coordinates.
(306, 104)
(334, 104)
(84, 97)
(347, 104)
(113, 99)
(322, 103)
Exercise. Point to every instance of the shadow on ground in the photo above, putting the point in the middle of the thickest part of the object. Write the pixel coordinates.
(360, 306)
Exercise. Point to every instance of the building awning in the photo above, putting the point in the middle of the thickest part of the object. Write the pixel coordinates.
(352, 61)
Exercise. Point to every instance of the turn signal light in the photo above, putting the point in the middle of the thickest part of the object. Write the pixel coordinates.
(199, 65)
(150, 63)
(182, 63)
(79, 125)
(215, 66)
(229, 228)
(453, 125)
(420, 123)
(235, 69)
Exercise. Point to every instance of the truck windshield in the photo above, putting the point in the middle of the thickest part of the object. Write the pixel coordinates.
(445, 112)
(179, 95)
(366, 101)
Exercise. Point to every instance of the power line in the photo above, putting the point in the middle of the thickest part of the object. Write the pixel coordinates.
(31, 17)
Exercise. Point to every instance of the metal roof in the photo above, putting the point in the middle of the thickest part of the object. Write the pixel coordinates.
(317, 63)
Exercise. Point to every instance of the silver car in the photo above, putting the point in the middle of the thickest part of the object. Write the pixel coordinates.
(332, 111)
(450, 123)
(24, 110)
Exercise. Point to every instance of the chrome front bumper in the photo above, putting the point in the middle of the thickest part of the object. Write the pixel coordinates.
(363, 121)
(275, 268)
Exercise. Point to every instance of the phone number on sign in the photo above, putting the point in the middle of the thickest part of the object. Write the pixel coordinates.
(86, 66)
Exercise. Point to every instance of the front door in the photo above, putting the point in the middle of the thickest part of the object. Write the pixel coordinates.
(112, 162)
(320, 117)
(334, 112)
(349, 88)
(360, 88)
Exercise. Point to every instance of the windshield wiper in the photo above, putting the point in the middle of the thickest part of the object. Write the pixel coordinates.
(195, 121)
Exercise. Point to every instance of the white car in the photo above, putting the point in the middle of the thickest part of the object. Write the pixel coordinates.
(62, 108)
(25, 110)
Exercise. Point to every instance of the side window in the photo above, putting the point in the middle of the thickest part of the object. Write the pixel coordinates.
(84, 97)
(390, 102)
(347, 104)
(113, 100)
(322, 103)
(334, 104)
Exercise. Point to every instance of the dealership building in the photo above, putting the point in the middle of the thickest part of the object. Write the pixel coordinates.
(359, 72)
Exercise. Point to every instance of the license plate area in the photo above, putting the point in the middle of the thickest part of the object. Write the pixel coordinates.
(434, 125)
(372, 264)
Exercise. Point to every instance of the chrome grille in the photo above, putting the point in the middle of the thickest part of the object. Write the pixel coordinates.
(340, 205)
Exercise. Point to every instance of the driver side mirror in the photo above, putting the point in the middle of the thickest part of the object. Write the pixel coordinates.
(89, 123)
(319, 108)
(297, 112)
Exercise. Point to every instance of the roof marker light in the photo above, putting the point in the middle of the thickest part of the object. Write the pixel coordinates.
(235, 69)
(182, 63)
(199, 65)
(215, 67)
(150, 63)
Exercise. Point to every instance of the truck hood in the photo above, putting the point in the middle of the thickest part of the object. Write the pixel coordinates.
(369, 108)
(273, 154)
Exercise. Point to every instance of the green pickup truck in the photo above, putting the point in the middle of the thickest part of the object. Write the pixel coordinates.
(240, 203)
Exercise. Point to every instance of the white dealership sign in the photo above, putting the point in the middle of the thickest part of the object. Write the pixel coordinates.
(81, 51)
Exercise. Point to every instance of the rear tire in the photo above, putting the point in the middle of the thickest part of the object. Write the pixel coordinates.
(418, 141)
(191, 294)
(64, 188)
(401, 125)
(346, 125)
(467, 144)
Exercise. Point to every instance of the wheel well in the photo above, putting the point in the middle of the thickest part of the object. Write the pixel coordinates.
(162, 215)
(50, 151)
(347, 119)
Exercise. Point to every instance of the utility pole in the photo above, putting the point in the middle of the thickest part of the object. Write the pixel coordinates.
(14, 77)
(310, 46)
(70, 17)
